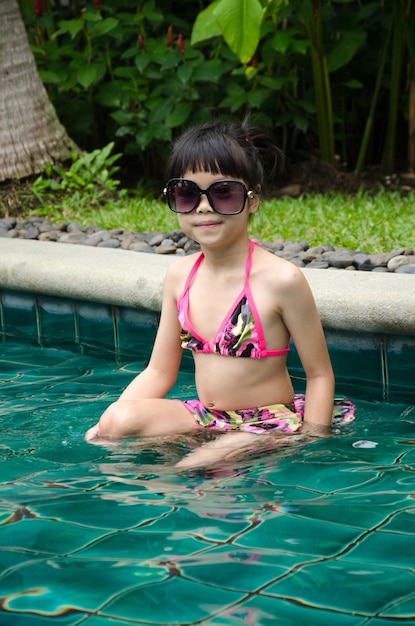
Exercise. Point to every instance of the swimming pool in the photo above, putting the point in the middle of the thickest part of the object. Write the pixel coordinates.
(316, 532)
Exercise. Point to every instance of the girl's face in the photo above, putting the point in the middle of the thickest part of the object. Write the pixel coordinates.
(204, 224)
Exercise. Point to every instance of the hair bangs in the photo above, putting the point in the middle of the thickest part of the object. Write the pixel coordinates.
(214, 152)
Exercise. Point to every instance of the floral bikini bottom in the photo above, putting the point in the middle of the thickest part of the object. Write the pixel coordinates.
(284, 418)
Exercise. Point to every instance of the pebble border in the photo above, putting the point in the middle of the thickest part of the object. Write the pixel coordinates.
(401, 260)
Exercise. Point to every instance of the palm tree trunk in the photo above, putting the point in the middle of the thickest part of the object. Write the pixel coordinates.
(31, 135)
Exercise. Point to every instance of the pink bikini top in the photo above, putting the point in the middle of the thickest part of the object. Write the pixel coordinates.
(240, 333)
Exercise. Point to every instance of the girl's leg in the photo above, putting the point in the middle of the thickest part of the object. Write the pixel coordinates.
(144, 417)
(219, 449)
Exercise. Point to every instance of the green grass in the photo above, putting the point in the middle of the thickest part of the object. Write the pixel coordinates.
(369, 222)
(372, 223)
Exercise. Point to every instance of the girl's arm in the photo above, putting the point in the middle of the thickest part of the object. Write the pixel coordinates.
(153, 382)
(161, 373)
(301, 317)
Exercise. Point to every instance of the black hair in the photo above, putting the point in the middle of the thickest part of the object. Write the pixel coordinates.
(222, 147)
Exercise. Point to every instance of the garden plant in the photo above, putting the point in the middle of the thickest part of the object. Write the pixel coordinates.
(333, 79)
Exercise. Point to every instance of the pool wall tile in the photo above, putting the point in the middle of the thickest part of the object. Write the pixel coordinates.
(19, 315)
(358, 364)
(134, 330)
(368, 366)
(56, 322)
(96, 327)
(399, 352)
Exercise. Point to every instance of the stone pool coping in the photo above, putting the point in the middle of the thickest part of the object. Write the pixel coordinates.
(347, 300)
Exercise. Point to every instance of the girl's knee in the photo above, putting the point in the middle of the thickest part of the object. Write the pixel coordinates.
(115, 420)
(112, 423)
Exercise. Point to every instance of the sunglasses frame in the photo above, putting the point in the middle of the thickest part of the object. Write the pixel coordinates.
(248, 194)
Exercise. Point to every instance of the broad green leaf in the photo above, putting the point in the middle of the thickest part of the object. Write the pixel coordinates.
(234, 89)
(307, 105)
(345, 49)
(88, 16)
(142, 59)
(130, 52)
(86, 75)
(179, 114)
(273, 82)
(144, 136)
(281, 40)
(300, 120)
(68, 84)
(100, 69)
(162, 131)
(233, 103)
(211, 70)
(160, 109)
(151, 12)
(235, 99)
(257, 97)
(205, 25)
(75, 26)
(110, 94)
(300, 46)
(126, 72)
(103, 27)
(122, 131)
(172, 59)
(51, 77)
(123, 118)
(251, 72)
(353, 84)
(240, 24)
(184, 72)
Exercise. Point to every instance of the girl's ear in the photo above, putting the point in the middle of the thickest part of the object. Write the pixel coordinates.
(254, 201)
(253, 204)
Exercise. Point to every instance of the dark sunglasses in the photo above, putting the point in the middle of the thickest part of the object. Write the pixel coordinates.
(227, 197)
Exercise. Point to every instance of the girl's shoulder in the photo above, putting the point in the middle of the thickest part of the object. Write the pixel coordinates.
(181, 266)
(277, 272)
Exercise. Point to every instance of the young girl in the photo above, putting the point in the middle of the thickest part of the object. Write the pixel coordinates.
(235, 306)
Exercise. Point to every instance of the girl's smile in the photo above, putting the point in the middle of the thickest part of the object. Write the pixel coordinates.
(207, 223)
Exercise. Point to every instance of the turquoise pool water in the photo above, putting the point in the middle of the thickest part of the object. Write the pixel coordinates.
(316, 532)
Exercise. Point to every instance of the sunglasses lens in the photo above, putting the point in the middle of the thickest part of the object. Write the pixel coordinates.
(227, 197)
(182, 195)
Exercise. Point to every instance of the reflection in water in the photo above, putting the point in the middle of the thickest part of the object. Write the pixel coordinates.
(293, 526)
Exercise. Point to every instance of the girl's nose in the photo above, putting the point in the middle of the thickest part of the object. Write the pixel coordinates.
(204, 204)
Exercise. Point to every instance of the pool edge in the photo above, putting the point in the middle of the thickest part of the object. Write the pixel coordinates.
(374, 302)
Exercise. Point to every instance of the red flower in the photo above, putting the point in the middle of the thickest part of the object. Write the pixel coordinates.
(97, 4)
(38, 8)
(170, 38)
(140, 41)
(180, 43)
